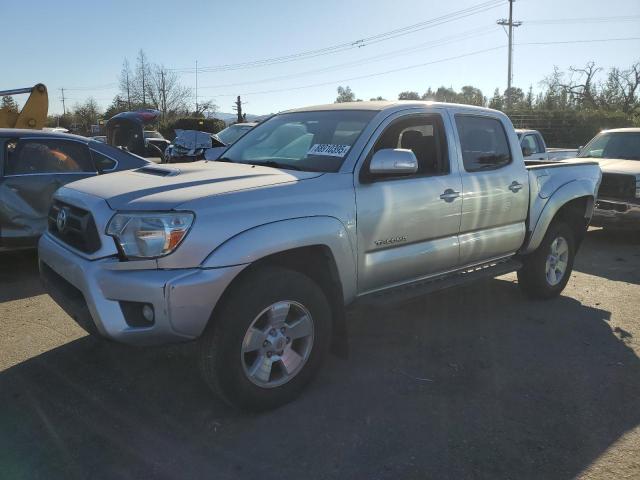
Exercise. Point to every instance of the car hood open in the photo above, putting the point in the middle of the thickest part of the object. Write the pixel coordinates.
(159, 187)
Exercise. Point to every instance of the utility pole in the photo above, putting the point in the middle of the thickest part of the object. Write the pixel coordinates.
(196, 87)
(164, 94)
(238, 108)
(511, 24)
(64, 110)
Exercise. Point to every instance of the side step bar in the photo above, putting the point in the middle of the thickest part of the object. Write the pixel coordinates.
(422, 287)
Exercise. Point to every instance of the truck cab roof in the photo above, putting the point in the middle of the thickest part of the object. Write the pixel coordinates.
(386, 105)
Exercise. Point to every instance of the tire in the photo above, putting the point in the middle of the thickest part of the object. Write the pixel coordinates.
(259, 301)
(534, 279)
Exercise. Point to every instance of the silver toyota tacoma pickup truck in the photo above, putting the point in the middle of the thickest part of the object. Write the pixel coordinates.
(256, 255)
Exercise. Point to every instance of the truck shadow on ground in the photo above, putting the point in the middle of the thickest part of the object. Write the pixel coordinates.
(19, 275)
(473, 382)
(610, 254)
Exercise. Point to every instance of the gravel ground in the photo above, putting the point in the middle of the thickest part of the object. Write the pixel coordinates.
(475, 382)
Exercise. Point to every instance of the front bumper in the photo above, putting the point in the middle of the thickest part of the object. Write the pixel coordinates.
(616, 214)
(91, 291)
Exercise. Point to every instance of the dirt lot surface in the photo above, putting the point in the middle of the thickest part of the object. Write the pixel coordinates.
(475, 382)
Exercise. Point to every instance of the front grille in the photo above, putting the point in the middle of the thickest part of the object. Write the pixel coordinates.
(79, 230)
(618, 185)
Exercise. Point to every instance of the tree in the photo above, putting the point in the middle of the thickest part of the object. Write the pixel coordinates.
(167, 94)
(496, 101)
(581, 86)
(9, 104)
(622, 90)
(86, 113)
(345, 94)
(471, 96)
(208, 108)
(513, 97)
(554, 96)
(126, 83)
(142, 79)
(118, 105)
(529, 99)
(429, 95)
(377, 99)
(444, 94)
(408, 95)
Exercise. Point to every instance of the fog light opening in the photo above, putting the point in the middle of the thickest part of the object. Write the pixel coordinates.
(148, 313)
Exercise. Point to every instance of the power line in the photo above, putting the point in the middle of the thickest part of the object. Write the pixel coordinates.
(359, 43)
(414, 66)
(598, 40)
(554, 21)
(106, 86)
(419, 47)
(333, 82)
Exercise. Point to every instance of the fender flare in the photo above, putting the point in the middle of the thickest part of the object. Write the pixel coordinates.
(261, 241)
(563, 195)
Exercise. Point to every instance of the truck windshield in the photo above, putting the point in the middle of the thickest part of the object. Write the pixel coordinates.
(311, 141)
(623, 145)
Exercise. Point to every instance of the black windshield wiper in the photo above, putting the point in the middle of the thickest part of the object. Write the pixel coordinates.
(224, 159)
(273, 163)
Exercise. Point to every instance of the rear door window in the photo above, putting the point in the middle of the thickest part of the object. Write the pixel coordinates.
(484, 143)
(39, 156)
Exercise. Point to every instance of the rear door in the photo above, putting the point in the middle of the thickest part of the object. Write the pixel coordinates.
(495, 188)
(33, 169)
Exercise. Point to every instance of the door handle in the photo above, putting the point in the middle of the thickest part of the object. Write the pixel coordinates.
(449, 195)
(515, 186)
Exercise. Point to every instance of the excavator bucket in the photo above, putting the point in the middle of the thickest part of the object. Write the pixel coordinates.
(34, 112)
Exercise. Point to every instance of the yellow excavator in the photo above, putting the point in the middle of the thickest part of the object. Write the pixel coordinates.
(34, 112)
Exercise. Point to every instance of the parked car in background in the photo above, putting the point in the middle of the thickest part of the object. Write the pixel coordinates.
(535, 148)
(188, 146)
(33, 165)
(233, 132)
(618, 154)
(155, 138)
(257, 254)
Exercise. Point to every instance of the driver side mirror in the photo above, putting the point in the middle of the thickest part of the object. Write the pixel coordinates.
(393, 161)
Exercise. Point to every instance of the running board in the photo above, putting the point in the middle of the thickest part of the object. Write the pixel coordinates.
(422, 287)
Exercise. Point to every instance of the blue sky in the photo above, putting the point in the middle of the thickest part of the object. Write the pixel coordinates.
(80, 45)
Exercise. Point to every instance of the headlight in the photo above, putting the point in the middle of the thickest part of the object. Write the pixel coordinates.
(149, 234)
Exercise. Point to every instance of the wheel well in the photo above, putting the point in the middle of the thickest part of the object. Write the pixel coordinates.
(316, 262)
(574, 214)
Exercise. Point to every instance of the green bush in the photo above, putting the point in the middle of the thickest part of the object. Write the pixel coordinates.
(210, 125)
(568, 128)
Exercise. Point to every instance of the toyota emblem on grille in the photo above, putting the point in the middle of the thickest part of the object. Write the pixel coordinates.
(61, 219)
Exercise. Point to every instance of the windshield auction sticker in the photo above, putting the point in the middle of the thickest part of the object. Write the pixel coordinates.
(328, 149)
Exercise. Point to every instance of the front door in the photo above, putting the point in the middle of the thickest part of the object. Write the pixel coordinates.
(34, 168)
(408, 226)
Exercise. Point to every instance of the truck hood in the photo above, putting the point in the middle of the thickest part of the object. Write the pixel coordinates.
(164, 187)
(617, 165)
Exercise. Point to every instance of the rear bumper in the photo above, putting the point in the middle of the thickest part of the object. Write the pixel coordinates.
(616, 214)
(91, 292)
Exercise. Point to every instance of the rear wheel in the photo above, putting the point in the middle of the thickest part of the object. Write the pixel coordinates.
(268, 339)
(547, 270)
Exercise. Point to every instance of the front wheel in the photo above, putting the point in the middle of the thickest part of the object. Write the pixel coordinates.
(268, 339)
(547, 270)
